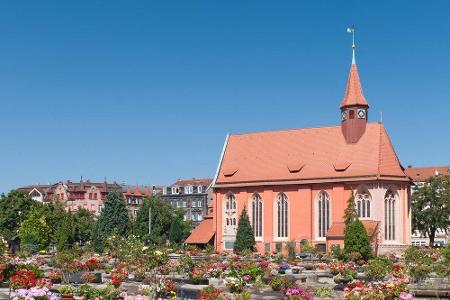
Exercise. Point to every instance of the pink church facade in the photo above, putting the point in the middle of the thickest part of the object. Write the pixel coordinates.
(295, 183)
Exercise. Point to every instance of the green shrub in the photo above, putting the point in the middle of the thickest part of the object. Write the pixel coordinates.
(245, 239)
(377, 268)
(412, 255)
(356, 240)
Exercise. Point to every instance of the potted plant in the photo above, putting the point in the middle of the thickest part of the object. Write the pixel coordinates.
(296, 270)
(55, 275)
(66, 292)
(309, 266)
(283, 267)
(276, 283)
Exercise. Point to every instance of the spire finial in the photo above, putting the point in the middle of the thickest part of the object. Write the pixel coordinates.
(351, 30)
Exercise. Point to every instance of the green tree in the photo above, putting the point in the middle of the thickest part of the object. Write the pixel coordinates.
(356, 239)
(114, 217)
(431, 206)
(14, 208)
(64, 236)
(245, 239)
(34, 231)
(179, 229)
(161, 214)
(54, 214)
(83, 225)
(350, 212)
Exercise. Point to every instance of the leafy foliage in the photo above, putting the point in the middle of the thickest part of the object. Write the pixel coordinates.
(245, 239)
(161, 214)
(431, 206)
(34, 231)
(14, 208)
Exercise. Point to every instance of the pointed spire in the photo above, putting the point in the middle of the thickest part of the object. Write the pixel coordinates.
(353, 93)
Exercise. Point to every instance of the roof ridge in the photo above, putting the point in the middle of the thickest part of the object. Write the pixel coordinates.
(293, 129)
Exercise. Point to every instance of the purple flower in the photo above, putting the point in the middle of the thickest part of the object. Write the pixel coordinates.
(247, 278)
(284, 266)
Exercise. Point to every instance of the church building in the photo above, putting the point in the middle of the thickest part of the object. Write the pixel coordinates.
(295, 183)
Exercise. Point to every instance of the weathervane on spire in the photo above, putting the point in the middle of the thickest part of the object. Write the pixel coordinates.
(351, 30)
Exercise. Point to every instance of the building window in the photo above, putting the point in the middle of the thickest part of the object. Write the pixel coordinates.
(230, 215)
(199, 217)
(199, 203)
(188, 189)
(282, 212)
(200, 189)
(184, 203)
(323, 209)
(174, 190)
(257, 213)
(185, 217)
(194, 204)
(363, 201)
(179, 204)
(389, 216)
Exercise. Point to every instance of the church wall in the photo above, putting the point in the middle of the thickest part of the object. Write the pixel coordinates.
(303, 211)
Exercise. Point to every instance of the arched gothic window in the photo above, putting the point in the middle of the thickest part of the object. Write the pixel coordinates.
(363, 202)
(257, 213)
(389, 216)
(282, 211)
(230, 215)
(323, 209)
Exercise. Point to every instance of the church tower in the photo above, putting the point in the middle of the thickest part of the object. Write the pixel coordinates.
(354, 106)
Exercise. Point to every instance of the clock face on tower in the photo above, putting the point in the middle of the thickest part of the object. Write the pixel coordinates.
(361, 113)
(343, 115)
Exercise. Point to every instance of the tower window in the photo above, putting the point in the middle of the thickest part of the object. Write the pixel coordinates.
(351, 114)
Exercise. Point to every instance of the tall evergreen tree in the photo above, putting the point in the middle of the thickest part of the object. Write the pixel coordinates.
(245, 239)
(179, 229)
(431, 206)
(114, 217)
(350, 212)
(356, 239)
(64, 235)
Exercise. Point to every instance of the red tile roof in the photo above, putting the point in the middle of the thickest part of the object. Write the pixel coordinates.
(266, 157)
(422, 174)
(336, 229)
(203, 233)
(353, 93)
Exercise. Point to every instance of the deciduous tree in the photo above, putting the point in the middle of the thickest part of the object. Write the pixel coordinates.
(431, 206)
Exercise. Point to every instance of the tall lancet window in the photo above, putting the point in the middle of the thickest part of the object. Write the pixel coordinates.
(389, 216)
(257, 215)
(230, 215)
(323, 209)
(363, 201)
(282, 211)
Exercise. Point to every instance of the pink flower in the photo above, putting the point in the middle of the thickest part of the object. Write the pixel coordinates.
(405, 296)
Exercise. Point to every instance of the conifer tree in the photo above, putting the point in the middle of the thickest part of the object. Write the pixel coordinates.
(356, 239)
(245, 239)
(179, 229)
(114, 217)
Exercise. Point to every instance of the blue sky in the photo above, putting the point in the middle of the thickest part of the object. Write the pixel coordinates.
(145, 92)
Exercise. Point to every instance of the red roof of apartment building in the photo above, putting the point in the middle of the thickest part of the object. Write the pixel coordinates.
(193, 181)
(424, 173)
